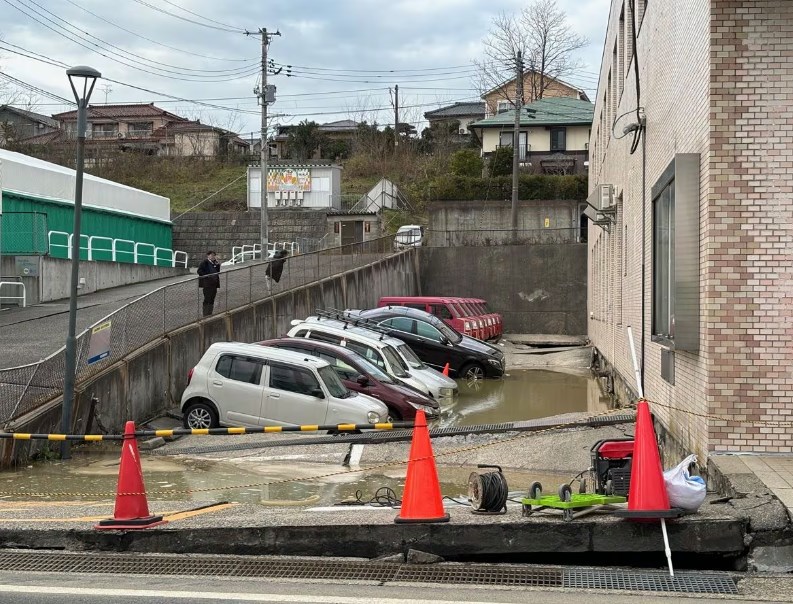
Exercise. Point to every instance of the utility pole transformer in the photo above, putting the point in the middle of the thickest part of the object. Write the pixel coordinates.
(266, 95)
(516, 139)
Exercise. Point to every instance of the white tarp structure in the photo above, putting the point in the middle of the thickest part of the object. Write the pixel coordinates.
(37, 178)
(384, 194)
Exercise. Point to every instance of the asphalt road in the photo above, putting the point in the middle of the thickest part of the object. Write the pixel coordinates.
(45, 588)
(33, 333)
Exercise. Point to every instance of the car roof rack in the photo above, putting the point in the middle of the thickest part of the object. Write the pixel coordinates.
(353, 321)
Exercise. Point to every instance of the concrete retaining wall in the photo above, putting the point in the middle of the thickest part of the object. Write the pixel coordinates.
(152, 379)
(197, 232)
(55, 274)
(539, 289)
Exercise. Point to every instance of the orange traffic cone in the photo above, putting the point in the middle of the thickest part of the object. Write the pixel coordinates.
(421, 500)
(446, 370)
(132, 509)
(647, 496)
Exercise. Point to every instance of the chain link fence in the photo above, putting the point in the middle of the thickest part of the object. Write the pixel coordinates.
(24, 233)
(25, 388)
(486, 237)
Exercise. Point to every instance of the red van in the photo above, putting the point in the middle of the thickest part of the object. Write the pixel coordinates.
(475, 316)
(493, 318)
(444, 308)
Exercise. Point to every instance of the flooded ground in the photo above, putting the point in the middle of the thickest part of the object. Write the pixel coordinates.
(91, 475)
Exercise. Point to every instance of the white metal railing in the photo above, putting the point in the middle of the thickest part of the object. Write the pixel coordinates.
(173, 258)
(292, 246)
(21, 300)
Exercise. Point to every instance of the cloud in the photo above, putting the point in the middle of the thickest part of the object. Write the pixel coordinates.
(354, 49)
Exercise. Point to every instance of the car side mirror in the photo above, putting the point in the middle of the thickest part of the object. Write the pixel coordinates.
(317, 392)
(363, 380)
(445, 341)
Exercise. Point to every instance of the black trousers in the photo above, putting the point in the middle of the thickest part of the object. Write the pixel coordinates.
(209, 299)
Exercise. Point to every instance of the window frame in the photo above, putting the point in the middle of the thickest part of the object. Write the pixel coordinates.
(557, 129)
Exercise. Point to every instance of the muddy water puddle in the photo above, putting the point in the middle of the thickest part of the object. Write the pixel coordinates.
(521, 395)
(93, 477)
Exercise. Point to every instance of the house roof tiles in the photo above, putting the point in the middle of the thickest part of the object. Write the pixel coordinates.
(545, 112)
(121, 111)
(476, 108)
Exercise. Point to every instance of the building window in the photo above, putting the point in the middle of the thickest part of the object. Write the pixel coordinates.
(503, 106)
(558, 139)
(140, 129)
(664, 262)
(104, 130)
(505, 139)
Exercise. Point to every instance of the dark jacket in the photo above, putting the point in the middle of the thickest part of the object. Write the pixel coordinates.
(209, 274)
(276, 266)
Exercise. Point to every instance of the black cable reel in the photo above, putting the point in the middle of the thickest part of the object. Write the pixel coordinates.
(487, 492)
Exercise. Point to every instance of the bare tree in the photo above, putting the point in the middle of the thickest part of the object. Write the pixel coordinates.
(547, 43)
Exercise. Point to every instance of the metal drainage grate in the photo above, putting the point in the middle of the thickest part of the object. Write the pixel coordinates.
(685, 582)
(481, 575)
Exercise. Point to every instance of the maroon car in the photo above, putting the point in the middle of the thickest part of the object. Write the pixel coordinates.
(360, 375)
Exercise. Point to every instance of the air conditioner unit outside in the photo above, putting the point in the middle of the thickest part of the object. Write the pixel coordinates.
(602, 198)
(120, 135)
(462, 131)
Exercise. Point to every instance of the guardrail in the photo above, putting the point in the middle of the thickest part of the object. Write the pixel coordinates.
(17, 284)
(27, 387)
(160, 256)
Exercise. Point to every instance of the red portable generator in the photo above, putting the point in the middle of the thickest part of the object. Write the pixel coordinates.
(611, 466)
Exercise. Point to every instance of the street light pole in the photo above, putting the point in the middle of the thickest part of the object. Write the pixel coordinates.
(85, 77)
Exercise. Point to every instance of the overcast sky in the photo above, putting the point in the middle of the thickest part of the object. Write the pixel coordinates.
(340, 53)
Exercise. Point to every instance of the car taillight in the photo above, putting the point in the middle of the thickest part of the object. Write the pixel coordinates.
(190, 375)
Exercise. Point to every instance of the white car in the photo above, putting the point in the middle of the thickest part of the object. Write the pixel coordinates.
(409, 235)
(372, 346)
(441, 386)
(249, 385)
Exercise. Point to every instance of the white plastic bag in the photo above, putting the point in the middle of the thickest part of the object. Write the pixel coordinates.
(685, 491)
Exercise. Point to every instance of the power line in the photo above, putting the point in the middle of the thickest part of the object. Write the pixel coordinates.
(165, 12)
(237, 72)
(129, 31)
(199, 16)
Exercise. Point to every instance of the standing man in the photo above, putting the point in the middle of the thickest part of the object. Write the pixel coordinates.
(209, 281)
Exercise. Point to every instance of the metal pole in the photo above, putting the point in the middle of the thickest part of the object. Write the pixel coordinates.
(639, 385)
(264, 152)
(516, 139)
(1, 224)
(71, 340)
(396, 115)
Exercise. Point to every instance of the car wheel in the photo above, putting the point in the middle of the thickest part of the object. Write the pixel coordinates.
(472, 372)
(200, 416)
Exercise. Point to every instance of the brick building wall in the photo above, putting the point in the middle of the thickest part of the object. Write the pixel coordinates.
(507, 92)
(715, 81)
(750, 212)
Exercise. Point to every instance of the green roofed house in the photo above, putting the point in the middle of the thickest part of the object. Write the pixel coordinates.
(554, 135)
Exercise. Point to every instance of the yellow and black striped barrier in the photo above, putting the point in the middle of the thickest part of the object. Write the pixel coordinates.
(211, 431)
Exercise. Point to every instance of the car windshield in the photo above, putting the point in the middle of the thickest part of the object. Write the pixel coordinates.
(397, 364)
(452, 335)
(375, 371)
(408, 236)
(410, 357)
(333, 383)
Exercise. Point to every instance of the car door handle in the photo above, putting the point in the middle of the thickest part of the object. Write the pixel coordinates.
(275, 396)
(217, 383)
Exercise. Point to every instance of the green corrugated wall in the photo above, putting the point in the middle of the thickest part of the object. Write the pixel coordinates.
(97, 222)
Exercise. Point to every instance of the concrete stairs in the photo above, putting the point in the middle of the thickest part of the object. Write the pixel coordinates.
(198, 232)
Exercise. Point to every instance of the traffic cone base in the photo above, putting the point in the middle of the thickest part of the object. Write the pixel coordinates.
(421, 499)
(132, 509)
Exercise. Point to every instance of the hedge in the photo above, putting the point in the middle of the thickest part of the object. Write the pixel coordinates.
(534, 186)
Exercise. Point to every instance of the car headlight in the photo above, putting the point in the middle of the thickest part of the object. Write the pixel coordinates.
(495, 362)
(373, 417)
(467, 326)
(420, 405)
(447, 391)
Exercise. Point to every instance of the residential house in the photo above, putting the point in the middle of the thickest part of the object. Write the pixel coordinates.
(692, 248)
(462, 115)
(147, 129)
(554, 134)
(18, 124)
(502, 97)
(341, 130)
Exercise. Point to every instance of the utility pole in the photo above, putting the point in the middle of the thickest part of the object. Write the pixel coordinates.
(396, 115)
(516, 139)
(266, 95)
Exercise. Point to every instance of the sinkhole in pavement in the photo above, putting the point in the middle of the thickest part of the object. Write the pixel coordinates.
(92, 473)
